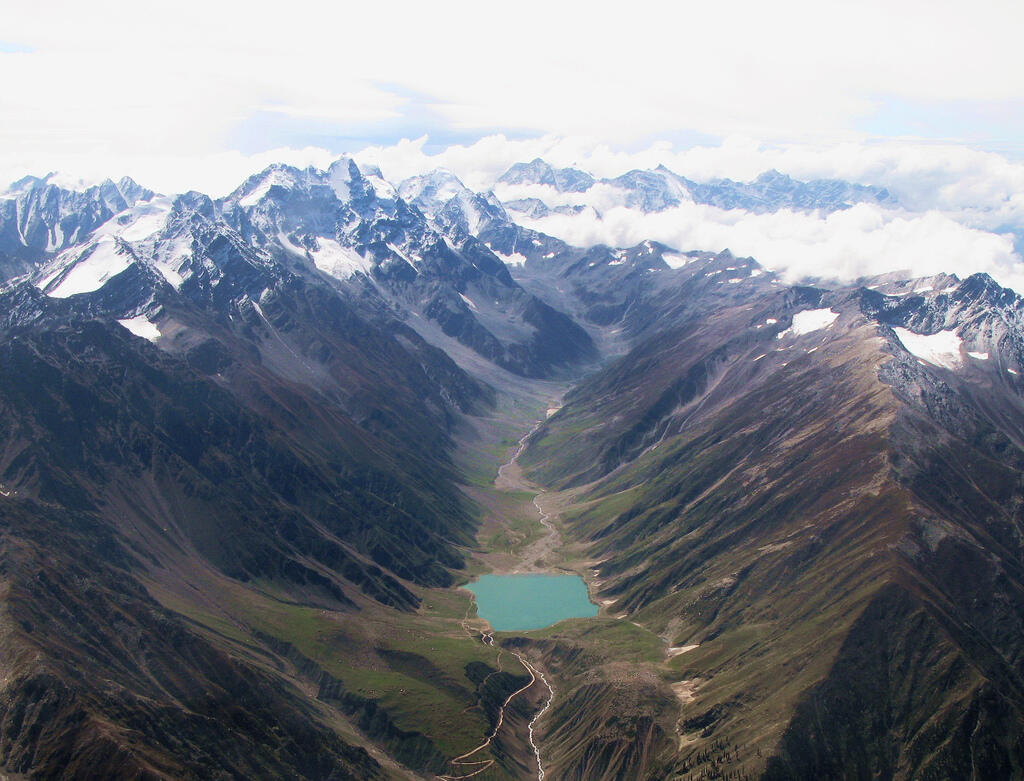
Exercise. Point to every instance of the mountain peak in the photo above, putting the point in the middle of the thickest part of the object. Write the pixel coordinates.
(433, 189)
(773, 176)
(259, 185)
(539, 171)
(27, 183)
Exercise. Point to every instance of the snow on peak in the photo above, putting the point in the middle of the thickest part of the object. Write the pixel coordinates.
(340, 175)
(344, 175)
(339, 261)
(540, 172)
(257, 187)
(808, 321)
(939, 349)
(368, 170)
(138, 222)
(432, 190)
(382, 188)
(83, 271)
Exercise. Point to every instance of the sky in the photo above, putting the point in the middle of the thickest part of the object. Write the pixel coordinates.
(926, 97)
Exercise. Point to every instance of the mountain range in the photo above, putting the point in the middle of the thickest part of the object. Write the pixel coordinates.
(247, 454)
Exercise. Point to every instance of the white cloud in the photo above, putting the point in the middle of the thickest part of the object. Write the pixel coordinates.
(861, 241)
(178, 79)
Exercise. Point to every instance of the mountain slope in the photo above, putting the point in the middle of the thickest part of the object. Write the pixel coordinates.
(101, 681)
(208, 423)
(782, 485)
(357, 228)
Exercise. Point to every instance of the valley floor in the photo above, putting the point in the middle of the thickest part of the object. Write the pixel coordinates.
(521, 533)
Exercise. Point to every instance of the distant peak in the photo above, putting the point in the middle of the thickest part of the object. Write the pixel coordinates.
(27, 183)
(774, 175)
(437, 176)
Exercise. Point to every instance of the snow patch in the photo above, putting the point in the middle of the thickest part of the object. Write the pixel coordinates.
(295, 249)
(402, 255)
(810, 320)
(941, 349)
(89, 271)
(674, 260)
(469, 303)
(338, 261)
(339, 181)
(140, 326)
(382, 188)
(978, 356)
(139, 222)
(515, 259)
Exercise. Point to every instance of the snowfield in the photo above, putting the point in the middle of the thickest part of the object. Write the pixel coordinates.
(941, 349)
(808, 321)
(140, 326)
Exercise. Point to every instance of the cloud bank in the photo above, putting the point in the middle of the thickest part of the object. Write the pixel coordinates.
(846, 245)
(193, 79)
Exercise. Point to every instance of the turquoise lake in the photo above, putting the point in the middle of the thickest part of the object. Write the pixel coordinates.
(516, 603)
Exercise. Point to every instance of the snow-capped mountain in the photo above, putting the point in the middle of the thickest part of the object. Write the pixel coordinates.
(38, 217)
(658, 189)
(537, 171)
(345, 227)
(453, 207)
(772, 191)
